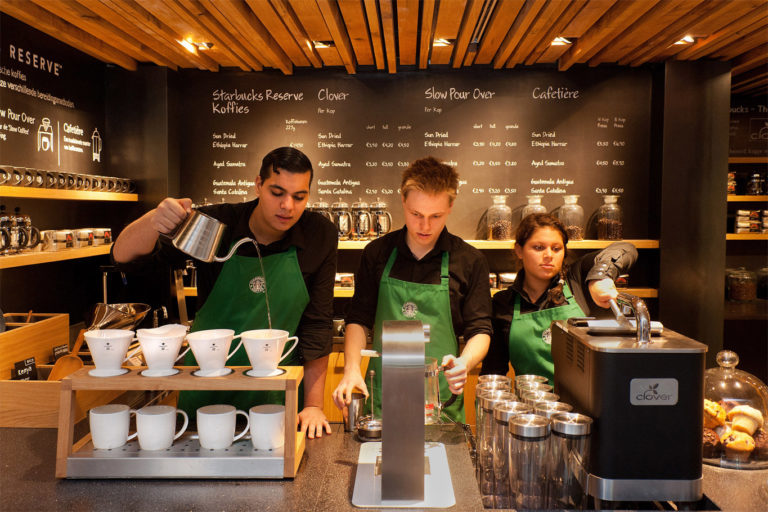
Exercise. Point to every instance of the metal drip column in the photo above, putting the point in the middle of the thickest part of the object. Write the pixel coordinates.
(402, 471)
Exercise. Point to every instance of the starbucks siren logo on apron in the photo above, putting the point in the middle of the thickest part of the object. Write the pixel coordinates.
(410, 310)
(257, 284)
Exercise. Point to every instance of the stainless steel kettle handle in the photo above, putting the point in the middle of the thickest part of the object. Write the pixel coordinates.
(233, 249)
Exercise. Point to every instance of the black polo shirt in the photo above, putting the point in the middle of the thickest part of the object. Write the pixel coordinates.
(316, 242)
(612, 261)
(470, 296)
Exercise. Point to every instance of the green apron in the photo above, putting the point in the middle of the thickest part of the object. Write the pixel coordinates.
(530, 336)
(429, 303)
(237, 301)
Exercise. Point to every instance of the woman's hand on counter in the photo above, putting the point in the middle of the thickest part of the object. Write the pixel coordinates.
(602, 291)
(455, 373)
(312, 422)
(351, 381)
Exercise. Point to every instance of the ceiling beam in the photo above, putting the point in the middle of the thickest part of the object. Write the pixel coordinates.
(556, 30)
(388, 28)
(468, 24)
(153, 27)
(173, 54)
(171, 12)
(407, 31)
(544, 21)
(64, 31)
(291, 20)
(650, 25)
(353, 13)
(750, 60)
(613, 23)
(724, 36)
(249, 28)
(519, 28)
(90, 22)
(374, 25)
(501, 21)
(688, 24)
(221, 34)
(335, 22)
(273, 23)
(428, 19)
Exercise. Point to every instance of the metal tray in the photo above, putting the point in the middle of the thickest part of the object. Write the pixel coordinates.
(185, 459)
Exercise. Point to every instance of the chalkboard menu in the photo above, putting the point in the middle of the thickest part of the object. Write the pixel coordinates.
(515, 132)
(51, 103)
(749, 127)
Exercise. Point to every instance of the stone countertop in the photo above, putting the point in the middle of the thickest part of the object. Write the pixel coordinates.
(325, 481)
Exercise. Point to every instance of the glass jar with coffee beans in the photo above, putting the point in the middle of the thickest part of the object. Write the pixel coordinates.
(499, 219)
(571, 214)
(610, 225)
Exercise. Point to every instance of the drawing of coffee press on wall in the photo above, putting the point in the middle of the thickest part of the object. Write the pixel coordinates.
(45, 136)
(96, 145)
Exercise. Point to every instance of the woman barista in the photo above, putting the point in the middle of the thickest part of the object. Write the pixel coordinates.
(544, 292)
(421, 272)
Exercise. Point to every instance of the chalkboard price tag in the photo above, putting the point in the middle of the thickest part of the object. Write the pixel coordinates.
(24, 370)
(59, 351)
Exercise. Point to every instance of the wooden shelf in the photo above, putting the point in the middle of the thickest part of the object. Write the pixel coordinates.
(34, 258)
(645, 293)
(338, 292)
(51, 193)
(745, 236)
(748, 160)
(755, 310)
(509, 244)
(747, 199)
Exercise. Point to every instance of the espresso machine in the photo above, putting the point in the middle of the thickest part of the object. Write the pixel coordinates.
(644, 393)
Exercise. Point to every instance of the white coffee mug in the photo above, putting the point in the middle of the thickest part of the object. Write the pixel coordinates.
(110, 425)
(211, 348)
(160, 351)
(216, 426)
(108, 347)
(265, 348)
(267, 426)
(156, 425)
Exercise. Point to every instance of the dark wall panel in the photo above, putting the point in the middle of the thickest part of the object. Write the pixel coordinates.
(693, 202)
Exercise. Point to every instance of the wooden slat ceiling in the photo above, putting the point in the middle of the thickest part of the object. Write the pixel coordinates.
(399, 35)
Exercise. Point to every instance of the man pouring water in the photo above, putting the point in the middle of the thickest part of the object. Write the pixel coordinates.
(298, 258)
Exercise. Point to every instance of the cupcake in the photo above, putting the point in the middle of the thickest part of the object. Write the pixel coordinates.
(711, 444)
(714, 414)
(745, 419)
(738, 446)
(761, 444)
(723, 431)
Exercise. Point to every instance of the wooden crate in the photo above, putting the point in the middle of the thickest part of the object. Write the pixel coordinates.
(35, 404)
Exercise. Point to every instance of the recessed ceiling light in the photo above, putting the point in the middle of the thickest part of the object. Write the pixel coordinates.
(560, 41)
(685, 40)
(323, 44)
(442, 42)
(191, 48)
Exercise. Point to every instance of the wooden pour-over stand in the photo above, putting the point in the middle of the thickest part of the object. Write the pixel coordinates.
(185, 459)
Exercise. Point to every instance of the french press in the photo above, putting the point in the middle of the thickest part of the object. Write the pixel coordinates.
(361, 220)
(382, 220)
(342, 218)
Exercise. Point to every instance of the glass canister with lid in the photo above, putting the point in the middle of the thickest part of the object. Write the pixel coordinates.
(528, 450)
(735, 410)
(571, 214)
(534, 206)
(742, 285)
(499, 219)
(568, 461)
(610, 225)
(502, 413)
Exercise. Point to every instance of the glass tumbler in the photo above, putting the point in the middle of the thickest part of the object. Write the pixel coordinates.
(528, 447)
(501, 416)
(568, 454)
(485, 443)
